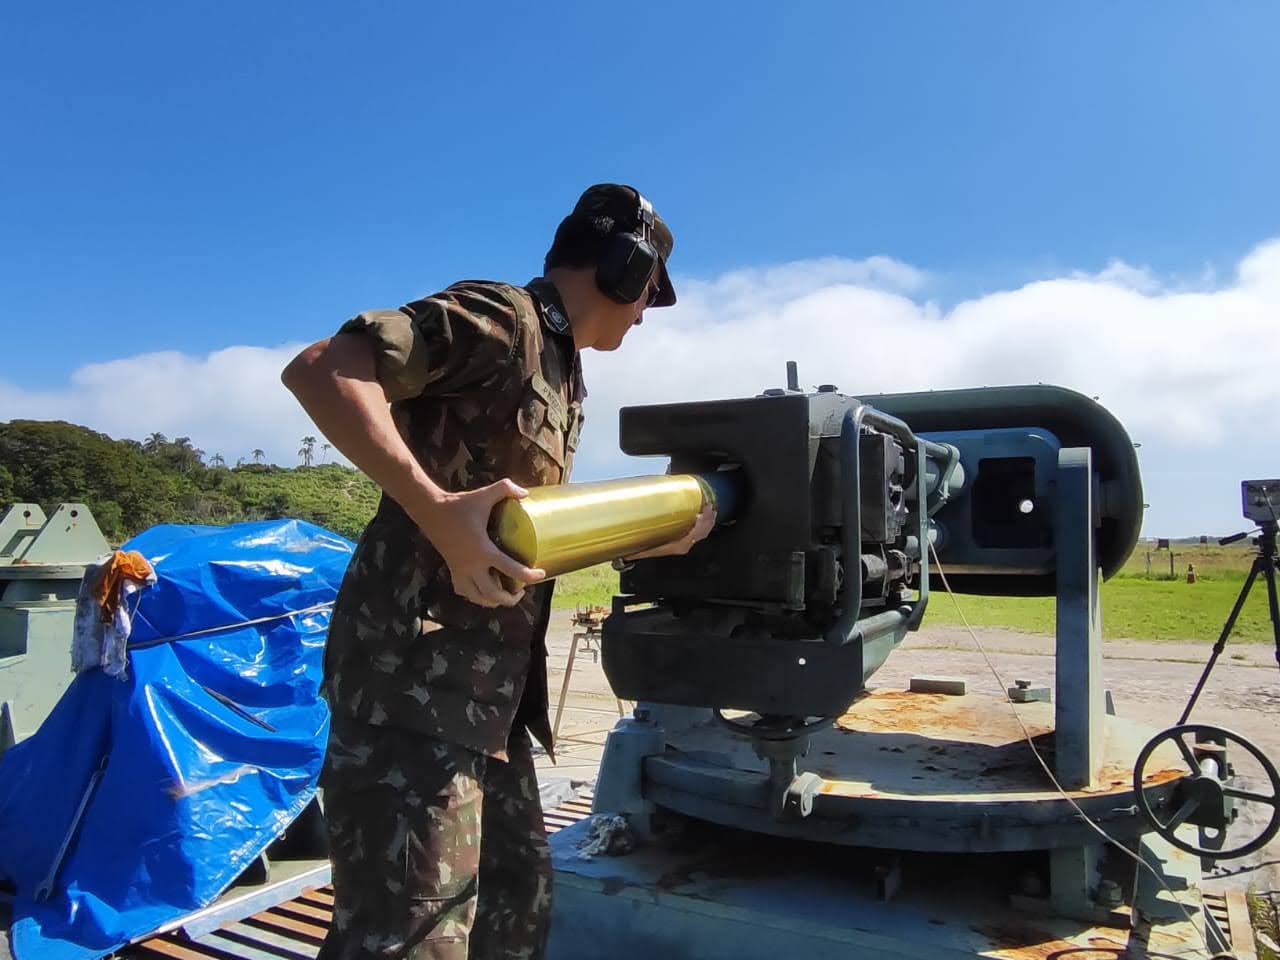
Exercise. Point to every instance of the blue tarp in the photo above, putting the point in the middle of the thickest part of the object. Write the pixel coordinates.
(212, 743)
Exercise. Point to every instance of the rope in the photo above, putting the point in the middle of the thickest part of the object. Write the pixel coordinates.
(1054, 780)
(230, 626)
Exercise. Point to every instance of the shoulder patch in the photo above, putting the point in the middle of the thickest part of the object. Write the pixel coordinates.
(556, 320)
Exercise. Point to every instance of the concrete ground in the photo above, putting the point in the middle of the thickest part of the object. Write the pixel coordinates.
(1150, 683)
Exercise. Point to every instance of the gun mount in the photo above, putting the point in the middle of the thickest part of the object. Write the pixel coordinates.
(789, 609)
(757, 746)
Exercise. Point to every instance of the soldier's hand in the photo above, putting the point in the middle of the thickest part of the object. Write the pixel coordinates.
(458, 527)
(705, 523)
(702, 526)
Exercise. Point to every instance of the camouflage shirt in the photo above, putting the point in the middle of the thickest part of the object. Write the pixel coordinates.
(485, 383)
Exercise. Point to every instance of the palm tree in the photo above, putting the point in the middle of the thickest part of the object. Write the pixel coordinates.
(155, 443)
(185, 455)
(257, 455)
(324, 450)
(308, 450)
(217, 460)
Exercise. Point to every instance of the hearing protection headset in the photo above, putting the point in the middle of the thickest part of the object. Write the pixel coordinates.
(628, 263)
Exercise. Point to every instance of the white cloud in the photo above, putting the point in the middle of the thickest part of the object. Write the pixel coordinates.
(229, 402)
(1191, 371)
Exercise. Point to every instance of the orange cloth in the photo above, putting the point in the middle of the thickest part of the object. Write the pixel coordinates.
(121, 566)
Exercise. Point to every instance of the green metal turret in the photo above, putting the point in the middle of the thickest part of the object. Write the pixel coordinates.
(42, 560)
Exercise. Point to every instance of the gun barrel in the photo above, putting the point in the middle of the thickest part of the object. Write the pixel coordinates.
(565, 528)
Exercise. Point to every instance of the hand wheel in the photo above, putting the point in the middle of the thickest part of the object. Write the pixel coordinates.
(1202, 797)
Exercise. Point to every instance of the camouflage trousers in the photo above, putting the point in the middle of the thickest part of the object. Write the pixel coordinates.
(438, 853)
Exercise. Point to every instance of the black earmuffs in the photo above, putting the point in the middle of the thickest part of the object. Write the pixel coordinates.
(630, 259)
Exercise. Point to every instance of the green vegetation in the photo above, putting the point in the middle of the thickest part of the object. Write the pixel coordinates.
(593, 587)
(1141, 606)
(131, 486)
(1133, 605)
(1266, 922)
(1132, 608)
(1212, 562)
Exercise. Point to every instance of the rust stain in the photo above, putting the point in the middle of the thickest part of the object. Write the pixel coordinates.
(903, 711)
(1024, 942)
(1118, 775)
(972, 744)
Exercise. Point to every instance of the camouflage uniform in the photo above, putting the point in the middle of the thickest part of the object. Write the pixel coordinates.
(430, 791)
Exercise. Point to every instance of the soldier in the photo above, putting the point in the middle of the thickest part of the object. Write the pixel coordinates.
(435, 669)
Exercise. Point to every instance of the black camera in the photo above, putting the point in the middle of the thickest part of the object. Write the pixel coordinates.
(1260, 500)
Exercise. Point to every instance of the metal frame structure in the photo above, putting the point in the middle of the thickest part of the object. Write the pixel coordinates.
(748, 916)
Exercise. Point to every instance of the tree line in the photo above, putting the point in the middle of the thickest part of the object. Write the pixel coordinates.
(131, 485)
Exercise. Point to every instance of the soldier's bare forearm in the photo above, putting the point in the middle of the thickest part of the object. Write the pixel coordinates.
(335, 381)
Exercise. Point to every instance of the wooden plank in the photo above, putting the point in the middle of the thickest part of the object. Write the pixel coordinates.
(171, 950)
(305, 911)
(175, 946)
(220, 945)
(318, 897)
(247, 943)
(271, 920)
(1243, 944)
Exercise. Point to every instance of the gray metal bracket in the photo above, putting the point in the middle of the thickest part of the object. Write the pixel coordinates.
(798, 800)
(1079, 706)
(71, 535)
(619, 781)
(18, 527)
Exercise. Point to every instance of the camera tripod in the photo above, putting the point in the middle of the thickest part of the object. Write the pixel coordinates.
(1264, 564)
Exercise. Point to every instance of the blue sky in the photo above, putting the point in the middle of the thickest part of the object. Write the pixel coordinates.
(193, 177)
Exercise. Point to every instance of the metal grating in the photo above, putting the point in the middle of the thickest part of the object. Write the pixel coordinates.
(292, 930)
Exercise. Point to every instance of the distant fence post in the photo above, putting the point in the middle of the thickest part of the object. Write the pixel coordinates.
(1148, 564)
(1172, 574)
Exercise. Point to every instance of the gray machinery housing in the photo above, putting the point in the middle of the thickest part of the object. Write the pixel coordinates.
(749, 660)
(826, 549)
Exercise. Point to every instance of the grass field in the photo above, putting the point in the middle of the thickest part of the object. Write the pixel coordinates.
(592, 587)
(1140, 607)
(1133, 605)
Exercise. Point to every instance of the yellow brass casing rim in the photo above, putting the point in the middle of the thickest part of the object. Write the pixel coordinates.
(513, 528)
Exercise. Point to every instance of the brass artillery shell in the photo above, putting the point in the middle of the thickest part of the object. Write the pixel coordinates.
(575, 525)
